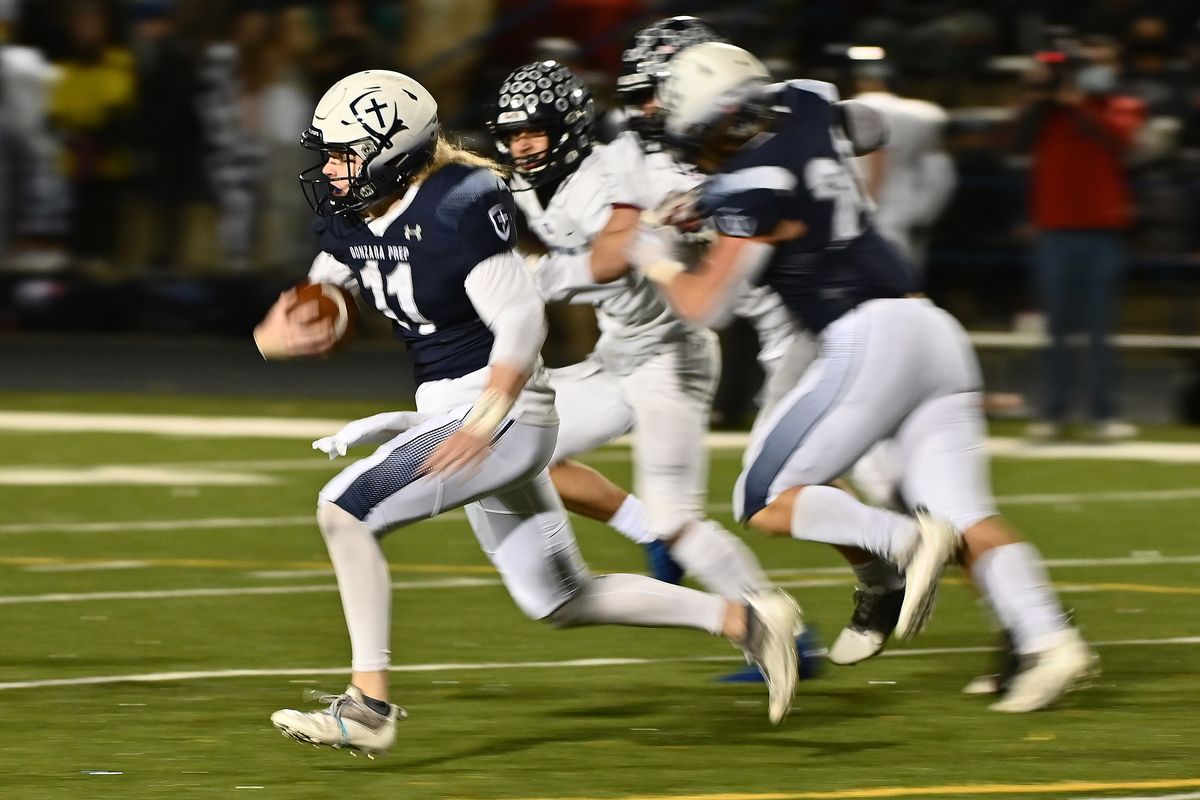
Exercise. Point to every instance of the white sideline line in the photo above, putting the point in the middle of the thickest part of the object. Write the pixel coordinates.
(159, 677)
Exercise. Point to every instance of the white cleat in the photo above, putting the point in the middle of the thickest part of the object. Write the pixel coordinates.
(773, 622)
(1047, 675)
(984, 684)
(935, 546)
(348, 724)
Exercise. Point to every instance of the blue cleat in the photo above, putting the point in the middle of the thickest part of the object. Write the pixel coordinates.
(662, 566)
(809, 652)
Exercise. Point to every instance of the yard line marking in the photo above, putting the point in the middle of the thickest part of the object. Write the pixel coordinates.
(202, 523)
(1186, 796)
(171, 594)
(464, 582)
(160, 677)
(312, 428)
(275, 570)
(969, 789)
(112, 474)
(28, 562)
(87, 566)
(457, 515)
(169, 424)
(205, 523)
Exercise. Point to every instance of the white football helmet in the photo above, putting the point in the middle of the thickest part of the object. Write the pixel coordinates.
(709, 88)
(385, 118)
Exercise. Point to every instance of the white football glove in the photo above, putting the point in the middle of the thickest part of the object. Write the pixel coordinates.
(370, 430)
(652, 252)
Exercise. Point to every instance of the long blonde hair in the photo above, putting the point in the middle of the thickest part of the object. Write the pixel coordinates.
(445, 152)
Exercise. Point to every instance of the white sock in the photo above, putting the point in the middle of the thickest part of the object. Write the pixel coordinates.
(1015, 582)
(720, 561)
(878, 573)
(642, 602)
(829, 515)
(630, 521)
(364, 583)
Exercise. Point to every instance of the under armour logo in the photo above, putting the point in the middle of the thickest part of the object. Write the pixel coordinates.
(412, 232)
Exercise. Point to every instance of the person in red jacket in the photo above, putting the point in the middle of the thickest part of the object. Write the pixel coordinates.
(1077, 131)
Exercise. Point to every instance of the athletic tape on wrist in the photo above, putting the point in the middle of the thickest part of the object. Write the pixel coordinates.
(663, 272)
(489, 411)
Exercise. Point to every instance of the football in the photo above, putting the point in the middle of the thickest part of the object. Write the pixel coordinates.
(333, 303)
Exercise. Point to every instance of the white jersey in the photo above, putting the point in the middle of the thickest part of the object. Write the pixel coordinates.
(634, 318)
(642, 179)
(918, 177)
(645, 180)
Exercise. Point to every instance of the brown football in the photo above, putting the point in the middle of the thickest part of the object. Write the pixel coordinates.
(333, 303)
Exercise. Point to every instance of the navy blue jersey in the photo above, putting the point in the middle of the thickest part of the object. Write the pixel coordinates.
(800, 172)
(413, 271)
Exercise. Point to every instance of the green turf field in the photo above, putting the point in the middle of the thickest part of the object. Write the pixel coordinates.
(163, 594)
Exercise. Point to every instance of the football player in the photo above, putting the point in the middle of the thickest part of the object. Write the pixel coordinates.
(650, 372)
(789, 210)
(423, 231)
(645, 176)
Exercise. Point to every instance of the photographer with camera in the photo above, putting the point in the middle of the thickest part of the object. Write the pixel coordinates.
(1078, 132)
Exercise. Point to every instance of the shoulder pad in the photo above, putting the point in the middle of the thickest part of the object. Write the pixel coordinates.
(476, 184)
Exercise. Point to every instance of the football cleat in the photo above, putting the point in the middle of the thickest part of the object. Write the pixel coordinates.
(348, 724)
(935, 546)
(876, 610)
(997, 682)
(662, 566)
(1047, 675)
(810, 656)
(773, 621)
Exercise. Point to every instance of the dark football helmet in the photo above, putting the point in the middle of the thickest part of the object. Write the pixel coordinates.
(644, 65)
(544, 96)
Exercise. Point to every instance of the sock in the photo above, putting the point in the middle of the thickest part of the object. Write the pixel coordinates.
(381, 707)
(878, 573)
(1015, 582)
(719, 560)
(829, 515)
(642, 602)
(630, 521)
(363, 582)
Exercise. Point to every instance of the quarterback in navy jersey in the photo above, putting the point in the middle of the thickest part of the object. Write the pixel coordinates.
(461, 217)
(788, 208)
(422, 230)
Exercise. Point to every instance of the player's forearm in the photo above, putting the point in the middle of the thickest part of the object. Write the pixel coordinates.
(609, 260)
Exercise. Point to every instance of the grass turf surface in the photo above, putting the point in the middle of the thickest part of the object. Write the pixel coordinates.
(896, 726)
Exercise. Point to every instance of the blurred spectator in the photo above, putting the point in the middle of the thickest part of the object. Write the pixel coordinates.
(34, 197)
(92, 109)
(349, 45)
(284, 109)
(254, 105)
(1154, 75)
(912, 178)
(170, 179)
(1079, 132)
